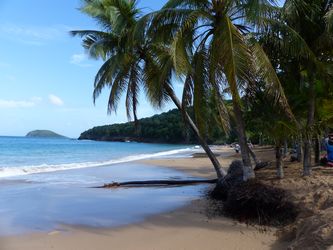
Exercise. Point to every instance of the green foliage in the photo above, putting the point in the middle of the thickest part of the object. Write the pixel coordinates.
(44, 133)
(164, 128)
(299, 44)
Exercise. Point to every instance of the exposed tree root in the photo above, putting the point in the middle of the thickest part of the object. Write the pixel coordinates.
(261, 165)
(156, 183)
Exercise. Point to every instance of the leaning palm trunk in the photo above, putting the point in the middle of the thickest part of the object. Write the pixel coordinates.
(247, 166)
(308, 135)
(279, 161)
(217, 166)
(254, 157)
(285, 148)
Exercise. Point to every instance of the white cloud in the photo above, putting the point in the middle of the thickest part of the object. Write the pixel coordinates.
(55, 100)
(80, 60)
(20, 104)
(33, 35)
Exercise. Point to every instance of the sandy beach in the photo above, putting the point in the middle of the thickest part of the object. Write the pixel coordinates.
(166, 125)
(190, 227)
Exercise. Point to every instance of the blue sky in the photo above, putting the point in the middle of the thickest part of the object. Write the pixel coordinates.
(46, 80)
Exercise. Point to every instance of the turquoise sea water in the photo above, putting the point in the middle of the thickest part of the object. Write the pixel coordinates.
(21, 155)
(46, 183)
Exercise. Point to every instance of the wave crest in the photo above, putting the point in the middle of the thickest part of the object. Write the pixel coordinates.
(45, 168)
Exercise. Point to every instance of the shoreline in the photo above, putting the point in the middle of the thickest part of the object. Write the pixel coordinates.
(188, 227)
(198, 165)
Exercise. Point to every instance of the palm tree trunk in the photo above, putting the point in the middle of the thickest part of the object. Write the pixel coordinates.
(317, 150)
(308, 135)
(285, 149)
(254, 157)
(279, 162)
(307, 157)
(217, 166)
(299, 150)
(247, 166)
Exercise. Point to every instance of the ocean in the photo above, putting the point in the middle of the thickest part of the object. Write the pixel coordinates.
(46, 184)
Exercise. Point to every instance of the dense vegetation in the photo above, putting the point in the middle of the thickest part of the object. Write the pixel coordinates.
(167, 127)
(44, 133)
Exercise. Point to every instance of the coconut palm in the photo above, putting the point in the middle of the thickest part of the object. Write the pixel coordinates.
(271, 121)
(304, 41)
(131, 62)
(212, 48)
(309, 22)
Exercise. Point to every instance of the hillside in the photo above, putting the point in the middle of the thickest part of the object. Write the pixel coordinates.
(44, 134)
(167, 127)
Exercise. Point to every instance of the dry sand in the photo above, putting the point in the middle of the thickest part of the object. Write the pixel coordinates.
(313, 229)
(186, 228)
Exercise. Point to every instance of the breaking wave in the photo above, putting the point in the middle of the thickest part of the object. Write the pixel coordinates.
(44, 168)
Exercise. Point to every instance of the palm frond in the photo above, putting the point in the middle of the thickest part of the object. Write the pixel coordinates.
(157, 76)
(187, 92)
(249, 12)
(294, 44)
(200, 80)
(235, 56)
(223, 113)
(133, 89)
(104, 77)
(84, 33)
(180, 55)
(198, 4)
(272, 82)
(294, 8)
(329, 20)
(118, 87)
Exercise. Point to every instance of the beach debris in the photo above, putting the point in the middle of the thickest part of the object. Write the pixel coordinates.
(261, 165)
(234, 176)
(157, 183)
(255, 202)
(53, 233)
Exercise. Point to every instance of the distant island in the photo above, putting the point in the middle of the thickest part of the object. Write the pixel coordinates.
(167, 127)
(44, 134)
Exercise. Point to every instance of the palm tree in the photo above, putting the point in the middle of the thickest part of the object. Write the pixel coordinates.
(212, 49)
(271, 121)
(131, 63)
(312, 16)
(304, 39)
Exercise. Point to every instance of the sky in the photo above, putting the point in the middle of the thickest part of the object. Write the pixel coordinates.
(46, 79)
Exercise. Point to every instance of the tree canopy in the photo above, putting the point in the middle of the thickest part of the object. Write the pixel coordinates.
(167, 127)
(274, 63)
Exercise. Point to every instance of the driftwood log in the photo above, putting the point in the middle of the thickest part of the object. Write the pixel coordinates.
(156, 183)
(233, 177)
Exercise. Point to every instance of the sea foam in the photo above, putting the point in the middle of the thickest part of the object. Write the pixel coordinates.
(45, 168)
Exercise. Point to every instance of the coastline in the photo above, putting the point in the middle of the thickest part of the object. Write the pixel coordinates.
(188, 227)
